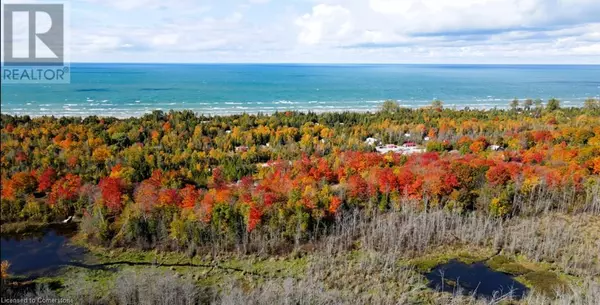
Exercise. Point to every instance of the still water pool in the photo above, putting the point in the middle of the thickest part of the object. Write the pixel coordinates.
(42, 252)
(474, 279)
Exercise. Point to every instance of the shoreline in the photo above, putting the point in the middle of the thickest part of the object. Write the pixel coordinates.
(274, 112)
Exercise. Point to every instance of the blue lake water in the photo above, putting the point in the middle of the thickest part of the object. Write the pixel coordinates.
(124, 90)
(40, 253)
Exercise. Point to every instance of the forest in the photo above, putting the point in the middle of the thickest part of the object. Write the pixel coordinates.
(307, 186)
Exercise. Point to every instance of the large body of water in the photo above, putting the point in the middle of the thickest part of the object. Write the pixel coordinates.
(124, 90)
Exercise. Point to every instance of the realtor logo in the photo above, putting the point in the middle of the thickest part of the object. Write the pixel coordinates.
(34, 43)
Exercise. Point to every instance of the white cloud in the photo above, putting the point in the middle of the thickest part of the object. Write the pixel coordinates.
(497, 29)
(592, 49)
(326, 23)
(337, 30)
(162, 40)
(93, 43)
(456, 15)
(130, 4)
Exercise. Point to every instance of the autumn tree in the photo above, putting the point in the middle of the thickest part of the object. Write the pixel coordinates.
(189, 196)
(169, 197)
(4, 270)
(65, 190)
(146, 194)
(24, 183)
(498, 174)
(111, 190)
(46, 179)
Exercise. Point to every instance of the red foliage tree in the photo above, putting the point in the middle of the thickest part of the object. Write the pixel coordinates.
(218, 178)
(111, 190)
(157, 178)
(449, 182)
(498, 174)
(24, 182)
(386, 180)
(478, 146)
(66, 188)
(596, 165)
(334, 204)
(254, 216)
(405, 181)
(169, 197)
(322, 170)
(146, 194)
(269, 199)
(189, 195)
(357, 187)
(46, 179)
(540, 136)
(8, 189)
(206, 205)
(531, 156)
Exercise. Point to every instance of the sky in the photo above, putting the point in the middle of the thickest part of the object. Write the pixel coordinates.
(335, 31)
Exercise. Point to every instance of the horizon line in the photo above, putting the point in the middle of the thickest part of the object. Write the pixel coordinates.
(335, 63)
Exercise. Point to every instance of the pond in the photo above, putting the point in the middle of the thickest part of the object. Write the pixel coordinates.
(474, 279)
(40, 253)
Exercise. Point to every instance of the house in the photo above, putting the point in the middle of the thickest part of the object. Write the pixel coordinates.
(404, 149)
(496, 148)
(241, 149)
(387, 148)
(274, 163)
(412, 150)
(371, 141)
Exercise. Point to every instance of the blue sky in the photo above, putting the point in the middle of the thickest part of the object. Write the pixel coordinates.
(336, 31)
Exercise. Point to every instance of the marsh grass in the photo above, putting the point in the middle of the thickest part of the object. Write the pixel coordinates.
(367, 258)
